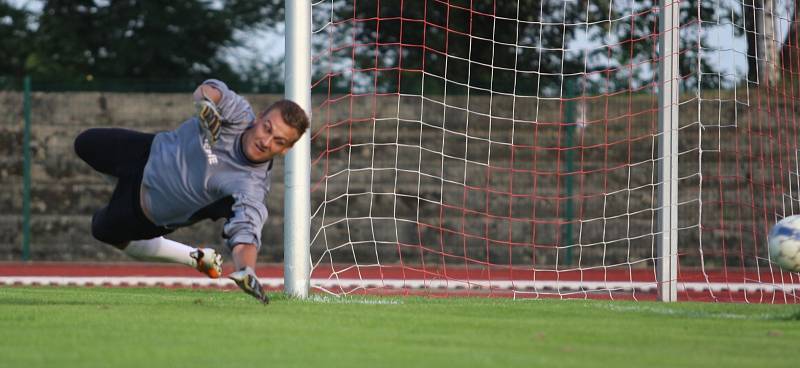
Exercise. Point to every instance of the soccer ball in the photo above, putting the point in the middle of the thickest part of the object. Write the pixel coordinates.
(784, 243)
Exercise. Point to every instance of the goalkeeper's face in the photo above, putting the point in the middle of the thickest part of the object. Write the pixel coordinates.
(270, 136)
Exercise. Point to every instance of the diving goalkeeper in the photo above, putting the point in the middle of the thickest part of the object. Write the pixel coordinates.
(214, 165)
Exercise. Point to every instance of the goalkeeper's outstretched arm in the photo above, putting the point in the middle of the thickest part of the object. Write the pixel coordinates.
(244, 258)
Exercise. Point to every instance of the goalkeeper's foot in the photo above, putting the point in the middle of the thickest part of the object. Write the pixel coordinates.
(247, 281)
(208, 261)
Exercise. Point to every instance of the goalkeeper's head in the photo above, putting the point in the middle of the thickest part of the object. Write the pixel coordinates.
(275, 131)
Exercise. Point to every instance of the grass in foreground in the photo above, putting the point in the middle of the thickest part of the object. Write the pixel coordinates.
(99, 327)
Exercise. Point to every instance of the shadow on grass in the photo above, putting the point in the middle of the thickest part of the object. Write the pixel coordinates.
(792, 317)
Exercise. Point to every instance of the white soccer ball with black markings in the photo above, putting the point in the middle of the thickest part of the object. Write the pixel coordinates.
(784, 243)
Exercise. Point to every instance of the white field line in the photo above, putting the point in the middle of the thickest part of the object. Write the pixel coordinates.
(330, 284)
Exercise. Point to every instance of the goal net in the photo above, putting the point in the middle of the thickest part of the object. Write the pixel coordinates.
(512, 147)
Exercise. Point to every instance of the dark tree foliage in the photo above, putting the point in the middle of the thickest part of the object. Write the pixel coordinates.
(459, 45)
(790, 53)
(633, 42)
(15, 34)
(141, 39)
(523, 47)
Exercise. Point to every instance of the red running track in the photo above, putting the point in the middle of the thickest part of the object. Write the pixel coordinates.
(138, 269)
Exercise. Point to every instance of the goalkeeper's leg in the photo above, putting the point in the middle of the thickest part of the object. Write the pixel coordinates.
(126, 228)
(205, 260)
(113, 151)
(123, 154)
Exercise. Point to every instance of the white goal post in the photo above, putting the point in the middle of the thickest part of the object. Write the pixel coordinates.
(669, 80)
(297, 202)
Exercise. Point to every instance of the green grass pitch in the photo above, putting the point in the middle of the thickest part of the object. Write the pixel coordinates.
(152, 327)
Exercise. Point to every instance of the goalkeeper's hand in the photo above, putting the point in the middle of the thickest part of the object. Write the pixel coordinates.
(247, 281)
(210, 119)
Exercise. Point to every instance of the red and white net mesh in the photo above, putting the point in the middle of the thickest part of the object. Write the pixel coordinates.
(511, 148)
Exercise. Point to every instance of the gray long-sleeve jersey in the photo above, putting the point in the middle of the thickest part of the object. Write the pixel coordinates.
(185, 174)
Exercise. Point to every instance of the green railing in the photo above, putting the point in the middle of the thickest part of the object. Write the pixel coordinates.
(26, 173)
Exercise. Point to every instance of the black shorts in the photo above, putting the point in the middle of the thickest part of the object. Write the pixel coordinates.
(123, 154)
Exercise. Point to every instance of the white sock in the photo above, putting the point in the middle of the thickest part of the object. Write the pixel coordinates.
(161, 250)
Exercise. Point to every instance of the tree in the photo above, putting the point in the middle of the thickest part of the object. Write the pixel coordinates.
(790, 51)
(636, 44)
(459, 45)
(524, 47)
(142, 39)
(763, 61)
(15, 31)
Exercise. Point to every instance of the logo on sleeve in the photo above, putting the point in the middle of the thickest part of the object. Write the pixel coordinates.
(210, 156)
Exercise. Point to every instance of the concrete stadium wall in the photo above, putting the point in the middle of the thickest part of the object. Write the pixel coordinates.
(66, 191)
